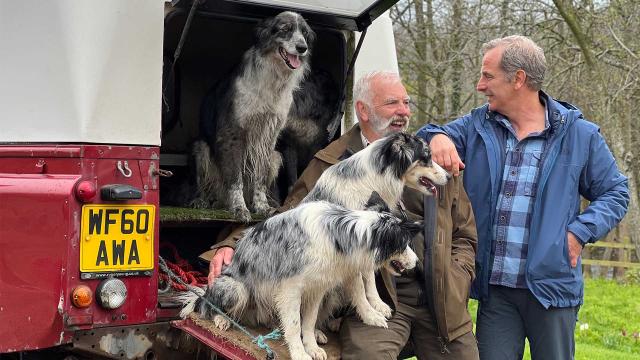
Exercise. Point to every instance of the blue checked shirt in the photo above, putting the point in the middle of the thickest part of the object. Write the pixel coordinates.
(515, 204)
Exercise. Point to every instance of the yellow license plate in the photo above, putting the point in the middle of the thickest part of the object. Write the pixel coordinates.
(116, 238)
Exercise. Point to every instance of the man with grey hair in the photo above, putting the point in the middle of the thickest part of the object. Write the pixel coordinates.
(443, 331)
(528, 159)
(380, 123)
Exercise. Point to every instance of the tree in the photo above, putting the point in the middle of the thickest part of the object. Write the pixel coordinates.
(592, 51)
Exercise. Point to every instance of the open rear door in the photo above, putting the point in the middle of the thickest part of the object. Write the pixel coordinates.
(354, 15)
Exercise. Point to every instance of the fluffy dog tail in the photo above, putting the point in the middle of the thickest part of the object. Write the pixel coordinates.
(227, 294)
(190, 301)
(206, 174)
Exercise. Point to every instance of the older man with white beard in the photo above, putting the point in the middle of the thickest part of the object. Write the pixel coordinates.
(430, 302)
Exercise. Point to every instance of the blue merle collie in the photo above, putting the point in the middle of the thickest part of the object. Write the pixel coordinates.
(283, 267)
(386, 167)
(235, 161)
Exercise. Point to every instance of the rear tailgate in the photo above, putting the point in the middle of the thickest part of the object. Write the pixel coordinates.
(40, 237)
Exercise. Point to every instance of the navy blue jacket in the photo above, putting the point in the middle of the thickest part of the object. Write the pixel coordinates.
(577, 161)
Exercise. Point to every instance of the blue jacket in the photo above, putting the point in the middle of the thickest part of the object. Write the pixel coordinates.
(577, 161)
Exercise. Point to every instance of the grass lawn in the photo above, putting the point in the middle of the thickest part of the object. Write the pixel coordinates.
(607, 322)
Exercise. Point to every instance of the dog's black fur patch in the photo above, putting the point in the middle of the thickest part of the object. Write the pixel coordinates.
(393, 236)
(402, 151)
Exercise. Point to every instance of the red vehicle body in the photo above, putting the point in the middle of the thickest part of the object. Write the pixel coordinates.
(43, 269)
(81, 152)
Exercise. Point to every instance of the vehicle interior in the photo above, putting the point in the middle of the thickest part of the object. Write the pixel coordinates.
(209, 53)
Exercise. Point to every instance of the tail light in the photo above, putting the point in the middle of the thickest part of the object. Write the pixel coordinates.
(81, 297)
(85, 191)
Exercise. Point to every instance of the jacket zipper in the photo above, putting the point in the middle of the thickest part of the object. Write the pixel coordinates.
(570, 118)
(443, 345)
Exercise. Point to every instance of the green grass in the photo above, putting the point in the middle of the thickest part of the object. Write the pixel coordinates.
(612, 313)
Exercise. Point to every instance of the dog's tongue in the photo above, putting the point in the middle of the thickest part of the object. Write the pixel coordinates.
(294, 60)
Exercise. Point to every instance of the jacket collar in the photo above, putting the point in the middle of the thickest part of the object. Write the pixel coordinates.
(557, 112)
(354, 139)
(347, 145)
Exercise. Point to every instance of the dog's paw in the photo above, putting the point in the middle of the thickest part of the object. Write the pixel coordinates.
(334, 324)
(221, 322)
(374, 318)
(264, 210)
(321, 338)
(299, 355)
(242, 214)
(316, 352)
(382, 308)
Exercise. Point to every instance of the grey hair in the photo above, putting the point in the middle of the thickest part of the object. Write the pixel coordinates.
(362, 88)
(520, 53)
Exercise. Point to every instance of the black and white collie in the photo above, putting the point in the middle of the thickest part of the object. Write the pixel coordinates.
(386, 167)
(283, 267)
(235, 162)
(313, 121)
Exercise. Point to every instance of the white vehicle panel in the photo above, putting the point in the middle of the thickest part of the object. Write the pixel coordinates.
(378, 51)
(84, 71)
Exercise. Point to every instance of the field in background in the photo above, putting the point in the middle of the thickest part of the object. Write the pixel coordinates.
(609, 322)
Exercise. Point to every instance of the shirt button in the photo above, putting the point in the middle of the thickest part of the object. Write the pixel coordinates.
(513, 172)
(508, 194)
(502, 217)
(517, 149)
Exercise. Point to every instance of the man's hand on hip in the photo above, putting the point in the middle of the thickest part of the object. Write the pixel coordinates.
(444, 153)
(575, 248)
(221, 258)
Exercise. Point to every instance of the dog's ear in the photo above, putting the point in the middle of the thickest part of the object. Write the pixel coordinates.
(423, 152)
(422, 147)
(376, 203)
(397, 153)
(412, 227)
(263, 31)
(309, 34)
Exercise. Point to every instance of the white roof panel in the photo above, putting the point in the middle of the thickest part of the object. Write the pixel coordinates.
(81, 71)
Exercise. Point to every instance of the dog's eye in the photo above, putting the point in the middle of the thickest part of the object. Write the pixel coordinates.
(285, 27)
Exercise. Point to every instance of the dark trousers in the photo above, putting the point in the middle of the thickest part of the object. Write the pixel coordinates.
(360, 341)
(510, 315)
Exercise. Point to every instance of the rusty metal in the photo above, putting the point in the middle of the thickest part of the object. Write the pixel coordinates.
(148, 342)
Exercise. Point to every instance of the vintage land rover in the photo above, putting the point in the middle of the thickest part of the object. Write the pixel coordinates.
(99, 103)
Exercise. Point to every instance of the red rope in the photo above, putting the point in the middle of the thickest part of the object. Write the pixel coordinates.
(183, 270)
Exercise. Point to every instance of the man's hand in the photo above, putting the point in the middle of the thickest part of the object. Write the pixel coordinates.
(575, 249)
(222, 257)
(444, 153)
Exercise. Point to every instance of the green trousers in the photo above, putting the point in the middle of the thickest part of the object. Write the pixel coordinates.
(414, 324)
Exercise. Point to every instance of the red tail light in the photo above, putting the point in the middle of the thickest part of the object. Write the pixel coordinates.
(85, 191)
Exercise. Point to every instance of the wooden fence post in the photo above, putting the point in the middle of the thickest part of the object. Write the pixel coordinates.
(586, 268)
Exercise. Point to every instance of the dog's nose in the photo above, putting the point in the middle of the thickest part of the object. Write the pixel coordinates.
(301, 48)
